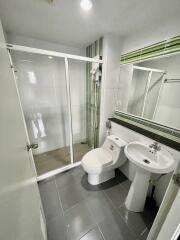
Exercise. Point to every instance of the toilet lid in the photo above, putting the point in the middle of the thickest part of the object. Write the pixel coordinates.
(98, 157)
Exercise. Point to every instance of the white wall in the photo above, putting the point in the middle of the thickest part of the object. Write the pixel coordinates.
(169, 104)
(111, 57)
(129, 169)
(151, 35)
(31, 42)
(44, 99)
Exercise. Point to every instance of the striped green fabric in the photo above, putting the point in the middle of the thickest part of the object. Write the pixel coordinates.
(93, 95)
(160, 49)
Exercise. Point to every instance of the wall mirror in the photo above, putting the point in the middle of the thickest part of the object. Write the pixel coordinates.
(151, 90)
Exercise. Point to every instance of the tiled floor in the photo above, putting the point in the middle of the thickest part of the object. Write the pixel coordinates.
(76, 211)
(51, 160)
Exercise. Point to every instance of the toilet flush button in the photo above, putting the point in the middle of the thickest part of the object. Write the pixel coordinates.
(111, 147)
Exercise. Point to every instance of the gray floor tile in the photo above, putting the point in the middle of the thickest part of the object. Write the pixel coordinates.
(51, 160)
(138, 222)
(94, 234)
(64, 179)
(150, 214)
(50, 199)
(117, 194)
(71, 195)
(114, 228)
(89, 192)
(118, 179)
(70, 177)
(78, 173)
(80, 150)
(73, 209)
(100, 207)
(144, 235)
(57, 158)
(79, 221)
(126, 184)
(121, 176)
(57, 229)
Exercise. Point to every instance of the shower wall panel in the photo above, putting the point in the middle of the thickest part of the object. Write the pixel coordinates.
(168, 109)
(137, 92)
(77, 74)
(42, 85)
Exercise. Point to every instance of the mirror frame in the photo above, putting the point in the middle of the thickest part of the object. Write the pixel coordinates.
(165, 134)
(158, 132)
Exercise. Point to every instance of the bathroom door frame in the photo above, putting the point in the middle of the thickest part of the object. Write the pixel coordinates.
(66, 57)
(171, 226)
(166, 225)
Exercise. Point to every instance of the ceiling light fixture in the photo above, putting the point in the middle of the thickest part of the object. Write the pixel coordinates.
(86, 5)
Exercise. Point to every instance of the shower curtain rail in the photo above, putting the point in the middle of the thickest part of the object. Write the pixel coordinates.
(171, 80)
(146, 93)
(164, 80)
(149, 69)
(52, 53)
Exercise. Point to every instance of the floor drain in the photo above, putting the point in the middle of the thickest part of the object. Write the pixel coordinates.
(146, 161)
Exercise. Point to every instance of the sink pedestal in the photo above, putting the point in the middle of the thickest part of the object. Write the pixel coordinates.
(147, 162)
(136, 198)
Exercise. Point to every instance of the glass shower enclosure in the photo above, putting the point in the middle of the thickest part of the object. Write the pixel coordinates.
(52, 90)
(144, 92)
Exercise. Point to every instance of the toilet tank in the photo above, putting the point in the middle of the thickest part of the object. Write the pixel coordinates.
(114, 145)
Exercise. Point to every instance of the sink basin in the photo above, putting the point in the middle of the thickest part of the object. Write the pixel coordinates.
(154, 162)
(148, 161)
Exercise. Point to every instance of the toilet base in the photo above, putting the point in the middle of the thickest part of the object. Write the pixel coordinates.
(95, 179)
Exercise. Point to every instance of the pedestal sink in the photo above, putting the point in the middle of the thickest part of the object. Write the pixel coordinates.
(148, 161)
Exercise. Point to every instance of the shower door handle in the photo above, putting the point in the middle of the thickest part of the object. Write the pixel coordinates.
(32, 146)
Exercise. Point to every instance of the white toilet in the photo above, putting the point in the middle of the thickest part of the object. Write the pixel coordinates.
(100, 163)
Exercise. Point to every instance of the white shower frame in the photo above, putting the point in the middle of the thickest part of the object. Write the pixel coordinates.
(150, 70)
(164, 81)
(66, 57)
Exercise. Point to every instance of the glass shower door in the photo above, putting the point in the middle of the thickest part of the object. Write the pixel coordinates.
(43, 91)
(138, 92)
(152, 94)
(78, 97)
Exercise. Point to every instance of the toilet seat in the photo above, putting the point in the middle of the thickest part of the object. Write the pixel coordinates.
(97, 158)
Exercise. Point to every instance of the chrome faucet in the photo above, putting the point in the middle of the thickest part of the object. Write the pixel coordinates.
(155, 147)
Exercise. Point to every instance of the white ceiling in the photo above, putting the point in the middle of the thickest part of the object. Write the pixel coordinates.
(64, 22)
